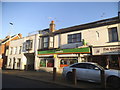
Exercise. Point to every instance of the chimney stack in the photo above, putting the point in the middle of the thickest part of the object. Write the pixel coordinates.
(20, 35)
(52, 26)
(7, 36)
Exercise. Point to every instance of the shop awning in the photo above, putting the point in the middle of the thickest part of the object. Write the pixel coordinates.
(65, 51)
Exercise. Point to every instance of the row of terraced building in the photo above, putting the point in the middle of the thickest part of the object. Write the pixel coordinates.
(91, 42)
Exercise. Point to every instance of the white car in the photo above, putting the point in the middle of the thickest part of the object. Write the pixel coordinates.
(89, 71)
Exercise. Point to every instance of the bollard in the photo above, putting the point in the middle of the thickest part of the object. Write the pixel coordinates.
(54, 73)
(103, 81)
(74, 76)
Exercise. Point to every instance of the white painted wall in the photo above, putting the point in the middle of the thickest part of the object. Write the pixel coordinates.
(56, 41)
(91, 35)
(35, 39)
(32, 37)
(36, 43)
(16, 43)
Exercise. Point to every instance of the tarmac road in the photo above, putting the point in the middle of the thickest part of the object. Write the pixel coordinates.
(11, 81)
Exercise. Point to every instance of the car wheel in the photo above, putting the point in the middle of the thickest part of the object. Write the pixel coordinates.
(69, 76)
(113, 82)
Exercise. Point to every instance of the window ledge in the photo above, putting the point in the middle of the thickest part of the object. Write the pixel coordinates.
(114, 42)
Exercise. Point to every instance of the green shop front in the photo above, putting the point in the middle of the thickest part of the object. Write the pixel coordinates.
(60, 58)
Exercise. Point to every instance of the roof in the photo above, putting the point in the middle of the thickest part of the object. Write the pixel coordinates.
(44, 30)
(99, 23)
(6, 39)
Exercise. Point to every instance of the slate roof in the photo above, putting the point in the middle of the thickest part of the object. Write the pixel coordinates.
(99, 23)
(6, 39)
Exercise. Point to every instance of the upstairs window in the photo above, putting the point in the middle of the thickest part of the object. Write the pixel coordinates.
(20, 49)
(15, 50)
(45, 42)
(11, 51)
(29, 44)
(74, 38)
(113, 34)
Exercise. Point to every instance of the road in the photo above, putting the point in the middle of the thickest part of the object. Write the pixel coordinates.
(10, 81)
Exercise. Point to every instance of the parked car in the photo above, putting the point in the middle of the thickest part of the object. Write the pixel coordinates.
(89, 71)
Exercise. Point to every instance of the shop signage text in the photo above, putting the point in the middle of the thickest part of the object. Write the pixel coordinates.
(106, 50)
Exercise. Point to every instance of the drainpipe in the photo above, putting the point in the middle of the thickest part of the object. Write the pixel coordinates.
(91, 52)
(35, 50)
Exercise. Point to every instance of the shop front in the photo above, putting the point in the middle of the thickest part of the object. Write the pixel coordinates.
(107, 56)
(60, 58)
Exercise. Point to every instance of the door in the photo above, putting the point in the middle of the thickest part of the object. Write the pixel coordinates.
(13, 63)
(92, 73)
(80, 71)
(30, 61)
(87, 72)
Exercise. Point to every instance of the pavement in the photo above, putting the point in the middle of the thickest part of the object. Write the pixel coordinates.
(48, 77)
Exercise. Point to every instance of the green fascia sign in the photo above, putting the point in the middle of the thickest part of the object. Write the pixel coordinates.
(63, 51)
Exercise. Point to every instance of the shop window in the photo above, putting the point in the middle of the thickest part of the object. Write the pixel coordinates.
(50, 62)
(67, 62)
(101, 60)
(64, 63)
(72, 61)
(42, 63)
(114, 63)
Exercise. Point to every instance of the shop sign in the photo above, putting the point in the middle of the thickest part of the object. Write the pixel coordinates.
(106, 50)
(66, 51)
(55, 56)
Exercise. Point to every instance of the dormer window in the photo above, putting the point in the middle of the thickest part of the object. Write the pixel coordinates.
(29, 44)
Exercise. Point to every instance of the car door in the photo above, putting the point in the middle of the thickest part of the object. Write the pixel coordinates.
(80, 71)
(92, 73)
